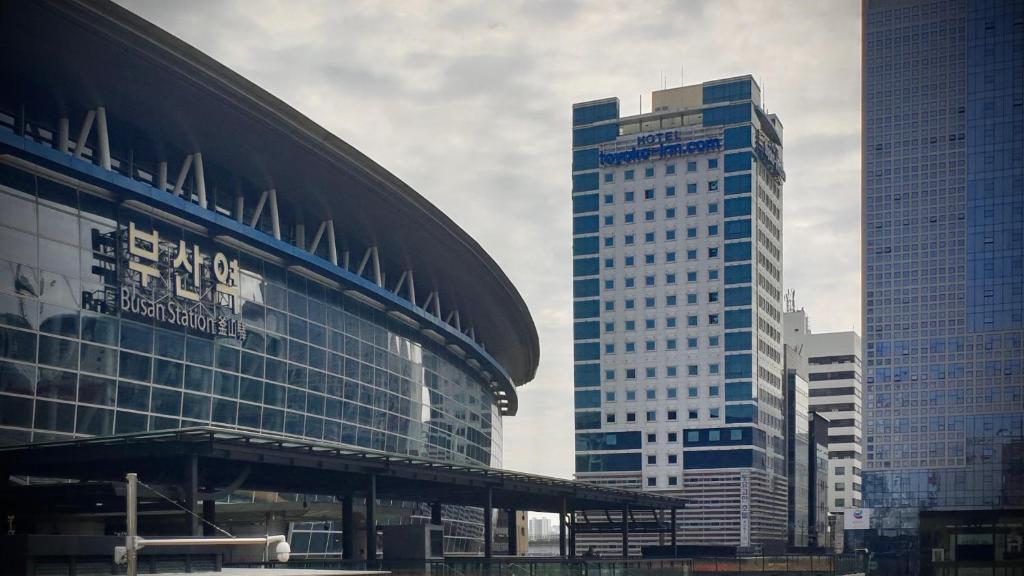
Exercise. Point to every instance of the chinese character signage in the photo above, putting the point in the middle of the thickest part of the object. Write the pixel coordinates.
(745, 509)
(180, 284)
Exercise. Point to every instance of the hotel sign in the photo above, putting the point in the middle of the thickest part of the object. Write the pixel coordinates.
(768, 155)
(180, 285)
(660, 145)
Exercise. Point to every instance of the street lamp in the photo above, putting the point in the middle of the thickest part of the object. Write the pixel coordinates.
(128, 554)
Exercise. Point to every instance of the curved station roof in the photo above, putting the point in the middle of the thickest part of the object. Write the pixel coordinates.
(165, 101)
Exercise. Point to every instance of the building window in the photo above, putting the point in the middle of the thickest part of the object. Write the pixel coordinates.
(652, 438)
(652, 416)
(609, 177)
(670, 169)
(671, 414)
(670, 393)
(673, 480)
(691, 188)
(652, 459)
(609, 418)
(652, 481)
(630, 416)
(673, 458)
(691, 166)
(649, 194)
(713, 208)
(673, 437)
(712, 163)
(713, 186)
(630, 395)
(609, 198)
(713, 412)
(670, 191)
(649, 172)
(609, 396)
(628, 175)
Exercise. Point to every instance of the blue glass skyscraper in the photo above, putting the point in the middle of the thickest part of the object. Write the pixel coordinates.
(943, 234)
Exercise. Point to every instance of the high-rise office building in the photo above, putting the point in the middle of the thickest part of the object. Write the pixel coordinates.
(807, 458)
(677, 265)
(798, 453)
(943, 234)
(834, 378)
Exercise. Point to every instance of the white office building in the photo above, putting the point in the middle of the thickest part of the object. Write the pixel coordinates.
(834, 375)
(677, 265)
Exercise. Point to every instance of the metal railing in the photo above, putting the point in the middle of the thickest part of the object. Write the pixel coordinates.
(807, 565)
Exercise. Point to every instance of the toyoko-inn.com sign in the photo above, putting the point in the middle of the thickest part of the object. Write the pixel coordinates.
(180, 285)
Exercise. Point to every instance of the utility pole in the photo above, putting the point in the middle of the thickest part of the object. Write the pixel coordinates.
(131, 495)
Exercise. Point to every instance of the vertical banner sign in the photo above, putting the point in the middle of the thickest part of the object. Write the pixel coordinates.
(745, 509)
(178, 284)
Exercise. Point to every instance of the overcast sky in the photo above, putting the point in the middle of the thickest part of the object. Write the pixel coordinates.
(469, 103)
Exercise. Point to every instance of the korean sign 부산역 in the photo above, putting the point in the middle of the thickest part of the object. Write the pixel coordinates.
(178, 285)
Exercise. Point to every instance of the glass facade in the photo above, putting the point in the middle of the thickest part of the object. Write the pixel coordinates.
(943, 257)
(313, 364)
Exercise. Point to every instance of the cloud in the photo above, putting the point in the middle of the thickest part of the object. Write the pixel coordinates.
(469, 103)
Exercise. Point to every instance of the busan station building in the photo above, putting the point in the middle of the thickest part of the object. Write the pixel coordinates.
(179, 248)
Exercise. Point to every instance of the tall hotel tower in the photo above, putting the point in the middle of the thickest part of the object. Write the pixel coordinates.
(677, 285)
(943, 113)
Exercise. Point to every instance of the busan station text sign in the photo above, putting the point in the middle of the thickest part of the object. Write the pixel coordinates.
(660, 145)
(179, 285)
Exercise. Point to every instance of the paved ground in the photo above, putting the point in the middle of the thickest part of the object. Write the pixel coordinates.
(310, 572)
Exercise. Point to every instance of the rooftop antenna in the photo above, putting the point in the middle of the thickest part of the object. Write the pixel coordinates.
(682, 76)
(790, 300)
(641, 103)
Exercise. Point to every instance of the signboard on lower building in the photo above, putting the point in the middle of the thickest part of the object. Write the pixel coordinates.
(857, 519)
